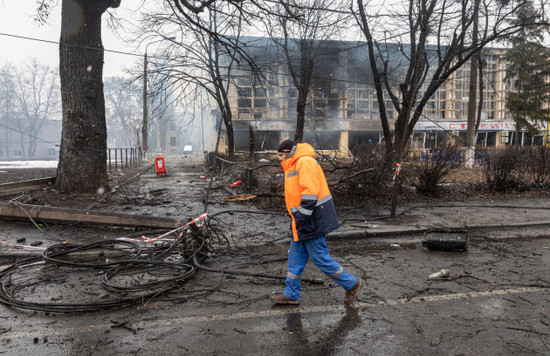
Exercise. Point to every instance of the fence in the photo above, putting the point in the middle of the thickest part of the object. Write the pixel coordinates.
(152, 152)
(120, 158)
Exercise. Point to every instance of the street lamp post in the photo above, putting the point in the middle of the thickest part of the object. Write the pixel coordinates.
(144, 124)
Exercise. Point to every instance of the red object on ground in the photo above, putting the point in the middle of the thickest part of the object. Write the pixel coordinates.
(160, 166)
(236, 183)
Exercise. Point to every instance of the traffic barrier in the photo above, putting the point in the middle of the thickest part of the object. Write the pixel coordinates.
(160, 166)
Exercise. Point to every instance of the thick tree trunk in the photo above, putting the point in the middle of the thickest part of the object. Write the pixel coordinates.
(82, 159)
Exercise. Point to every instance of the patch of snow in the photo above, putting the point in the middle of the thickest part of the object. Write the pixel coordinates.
(28, 164)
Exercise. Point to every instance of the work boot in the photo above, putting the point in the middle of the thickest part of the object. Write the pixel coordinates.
(351, 294)
(282, 299)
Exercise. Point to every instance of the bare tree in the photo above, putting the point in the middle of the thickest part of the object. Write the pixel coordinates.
(82, 158)
(302, 28)
(123, 109)
(7, 101)
(203, 56)
(29, 96)
(431, 39)
(37, 99)
(82, 161)
(472, 92)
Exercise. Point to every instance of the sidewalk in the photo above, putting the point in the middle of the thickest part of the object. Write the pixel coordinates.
(522, 214)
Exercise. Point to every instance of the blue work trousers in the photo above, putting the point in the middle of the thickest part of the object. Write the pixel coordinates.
(317, 250)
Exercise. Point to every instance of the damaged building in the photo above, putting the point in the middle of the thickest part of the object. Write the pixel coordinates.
(342, 109)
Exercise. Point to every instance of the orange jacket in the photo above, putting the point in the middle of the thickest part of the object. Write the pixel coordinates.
(308, 199)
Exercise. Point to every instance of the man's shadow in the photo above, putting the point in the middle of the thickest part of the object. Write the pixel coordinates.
(300, 345)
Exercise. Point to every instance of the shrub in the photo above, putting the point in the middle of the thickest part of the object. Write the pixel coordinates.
(506, 169)
(363, 176)
(434, 167)
(538, 163)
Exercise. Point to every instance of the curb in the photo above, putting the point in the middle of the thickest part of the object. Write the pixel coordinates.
(395, 230)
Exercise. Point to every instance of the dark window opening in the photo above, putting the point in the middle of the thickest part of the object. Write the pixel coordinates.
(264, 140)
(260, 103)
(244, 103)
(323, 140)
(259, 92)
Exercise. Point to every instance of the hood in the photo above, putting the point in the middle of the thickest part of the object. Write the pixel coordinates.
(302, 150)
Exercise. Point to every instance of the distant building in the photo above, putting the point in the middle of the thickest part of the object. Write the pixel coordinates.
(342, 109)
(165, 137)
(16, 144)
(172, 138)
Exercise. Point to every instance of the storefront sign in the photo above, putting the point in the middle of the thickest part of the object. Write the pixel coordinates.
(463, 126)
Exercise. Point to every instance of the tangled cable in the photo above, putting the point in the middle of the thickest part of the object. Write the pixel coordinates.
(138, 270)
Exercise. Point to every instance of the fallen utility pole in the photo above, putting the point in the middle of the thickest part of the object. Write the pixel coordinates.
(19, 211)
(14, 188)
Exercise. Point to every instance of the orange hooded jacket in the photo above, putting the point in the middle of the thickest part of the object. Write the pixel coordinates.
(307, 196)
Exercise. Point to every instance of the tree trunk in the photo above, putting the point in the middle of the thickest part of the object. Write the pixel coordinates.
(7, 132)
(82, 158)
(307, 62)
(300, 116)
(397, 157)
(22, 145)
(228, 119)
(32, 147)
(472, 96)
(252, 147)
(7, 141)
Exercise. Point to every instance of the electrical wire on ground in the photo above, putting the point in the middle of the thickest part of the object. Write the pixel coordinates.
(129, 271)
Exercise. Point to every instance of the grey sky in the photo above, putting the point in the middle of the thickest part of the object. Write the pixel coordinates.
(16, 20)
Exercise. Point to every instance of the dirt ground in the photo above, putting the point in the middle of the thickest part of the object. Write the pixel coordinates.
(494, 301)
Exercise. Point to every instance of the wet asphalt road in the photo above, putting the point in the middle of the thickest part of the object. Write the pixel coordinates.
(497, 305)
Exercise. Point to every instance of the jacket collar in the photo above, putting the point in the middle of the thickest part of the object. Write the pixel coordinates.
(297, 152)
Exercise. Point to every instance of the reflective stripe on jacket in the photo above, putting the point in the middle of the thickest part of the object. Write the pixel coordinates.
(307, 196)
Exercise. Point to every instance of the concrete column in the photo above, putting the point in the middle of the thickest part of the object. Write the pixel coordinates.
(344, 141)
(500, 106)
(449, 98)
(222, 148)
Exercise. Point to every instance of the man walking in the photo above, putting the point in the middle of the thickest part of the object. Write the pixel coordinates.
(313, 214)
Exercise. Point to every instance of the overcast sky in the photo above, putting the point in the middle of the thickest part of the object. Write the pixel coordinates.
(16, 19)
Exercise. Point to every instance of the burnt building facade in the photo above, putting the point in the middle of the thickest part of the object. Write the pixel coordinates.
(342, 109)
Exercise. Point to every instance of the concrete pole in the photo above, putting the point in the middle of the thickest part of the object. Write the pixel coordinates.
(144, 124)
